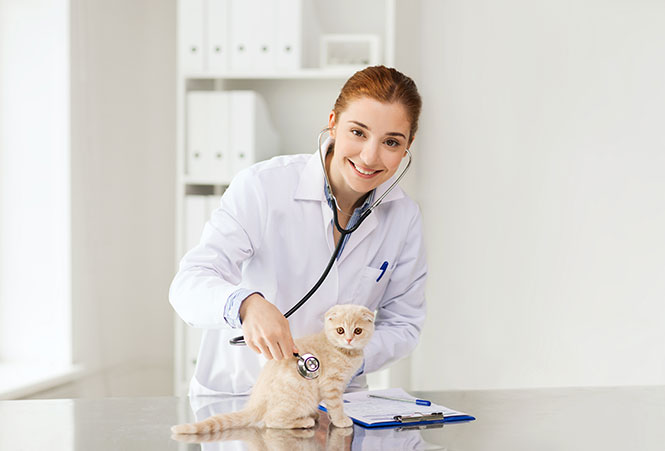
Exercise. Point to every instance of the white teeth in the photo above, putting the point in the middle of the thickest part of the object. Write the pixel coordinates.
(361, 171)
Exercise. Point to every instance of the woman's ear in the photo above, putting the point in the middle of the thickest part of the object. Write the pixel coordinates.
(331, 124)
(410, 143)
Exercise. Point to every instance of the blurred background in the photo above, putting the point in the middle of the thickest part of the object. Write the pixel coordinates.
(539, 167)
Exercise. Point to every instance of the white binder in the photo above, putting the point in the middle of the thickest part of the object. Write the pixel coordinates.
(198, 146)
(227, 131)
(288, 51)
(253, 137)
(219, 135)
(208, 137)
(191, 49)
(240, 27)
(217, 45)
(243, 139)
(262, 51)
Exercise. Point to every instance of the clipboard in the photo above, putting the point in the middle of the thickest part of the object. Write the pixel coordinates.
(376, 413)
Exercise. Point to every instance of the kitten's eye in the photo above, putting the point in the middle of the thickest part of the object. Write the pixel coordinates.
(358, 331)
(340, 330)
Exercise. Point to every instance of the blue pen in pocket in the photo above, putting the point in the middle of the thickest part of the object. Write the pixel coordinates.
(383, 268)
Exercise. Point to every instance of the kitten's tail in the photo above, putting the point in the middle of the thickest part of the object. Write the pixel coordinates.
(216, 423)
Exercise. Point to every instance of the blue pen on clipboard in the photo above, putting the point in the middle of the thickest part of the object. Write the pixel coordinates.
(383, 268)
(420, 402)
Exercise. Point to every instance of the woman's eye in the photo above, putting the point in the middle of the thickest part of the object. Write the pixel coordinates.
(340, 330)
(357, 132)
(358, 331)
(392, 143)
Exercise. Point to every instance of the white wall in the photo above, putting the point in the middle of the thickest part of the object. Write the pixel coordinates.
(123, 166)
(34, 182)
(543, 191)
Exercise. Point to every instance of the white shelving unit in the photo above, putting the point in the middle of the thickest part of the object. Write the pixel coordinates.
(298, 92)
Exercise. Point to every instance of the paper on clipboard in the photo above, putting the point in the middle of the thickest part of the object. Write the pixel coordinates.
(383, 412)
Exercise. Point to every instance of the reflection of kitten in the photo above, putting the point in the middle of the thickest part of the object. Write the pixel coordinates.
(324, 437)
(283, 399)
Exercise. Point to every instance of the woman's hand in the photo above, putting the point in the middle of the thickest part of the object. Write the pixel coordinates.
(265, 329)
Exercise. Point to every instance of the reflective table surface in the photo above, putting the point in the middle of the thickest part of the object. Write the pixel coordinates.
(550, 419)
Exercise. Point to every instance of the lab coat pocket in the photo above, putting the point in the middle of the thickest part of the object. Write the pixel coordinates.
(371, 286)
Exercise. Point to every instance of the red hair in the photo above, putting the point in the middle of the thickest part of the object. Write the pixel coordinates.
(386, 85)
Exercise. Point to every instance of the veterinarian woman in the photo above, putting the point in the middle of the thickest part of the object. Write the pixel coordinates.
(273, 233)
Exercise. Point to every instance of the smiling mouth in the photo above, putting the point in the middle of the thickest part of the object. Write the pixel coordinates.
(362, 171)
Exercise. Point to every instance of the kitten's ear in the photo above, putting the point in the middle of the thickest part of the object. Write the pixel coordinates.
(331, 314)
(368, 315)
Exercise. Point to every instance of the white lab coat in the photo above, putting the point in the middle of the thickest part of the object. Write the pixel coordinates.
(273, 233)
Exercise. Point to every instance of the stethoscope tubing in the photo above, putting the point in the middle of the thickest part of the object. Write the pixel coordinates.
(240, 340)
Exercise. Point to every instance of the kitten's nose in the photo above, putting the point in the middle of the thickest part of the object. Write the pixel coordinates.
(348, 340)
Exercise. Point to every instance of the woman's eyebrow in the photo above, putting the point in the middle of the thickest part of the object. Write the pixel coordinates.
(361, 125)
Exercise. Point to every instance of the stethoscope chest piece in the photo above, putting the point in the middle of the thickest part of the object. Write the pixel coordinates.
(308, 366)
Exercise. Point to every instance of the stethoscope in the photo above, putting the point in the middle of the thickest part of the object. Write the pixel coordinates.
(308, 366)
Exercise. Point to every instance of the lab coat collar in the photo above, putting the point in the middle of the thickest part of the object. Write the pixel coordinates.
(312, 182)
(312, 187)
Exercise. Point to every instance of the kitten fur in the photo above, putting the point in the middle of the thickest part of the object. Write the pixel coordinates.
(283, 399)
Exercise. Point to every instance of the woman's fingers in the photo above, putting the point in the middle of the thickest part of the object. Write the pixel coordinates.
(275, 350)
(271, 348)
(260, 346)
(266, 351)
(250, 344)
(266, 330)
(286, 344)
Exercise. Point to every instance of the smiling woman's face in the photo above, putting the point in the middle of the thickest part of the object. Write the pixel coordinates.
(371, 138)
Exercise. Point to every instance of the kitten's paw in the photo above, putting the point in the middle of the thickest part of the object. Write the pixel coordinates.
(335, 433)
(342, 422)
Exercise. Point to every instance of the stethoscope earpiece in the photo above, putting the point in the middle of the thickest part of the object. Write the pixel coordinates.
(308, 365)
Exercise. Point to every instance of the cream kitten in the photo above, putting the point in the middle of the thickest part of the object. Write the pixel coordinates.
(283, 399)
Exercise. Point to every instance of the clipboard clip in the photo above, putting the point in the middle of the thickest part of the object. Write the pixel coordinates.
(419, 427)
(418, 417)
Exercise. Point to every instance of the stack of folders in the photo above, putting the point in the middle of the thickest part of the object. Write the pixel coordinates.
(197, 210)
(227, 131)
(239, 36)
(374, 409)
(265, 35)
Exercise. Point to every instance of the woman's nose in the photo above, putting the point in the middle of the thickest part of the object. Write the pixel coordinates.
(369, 154)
